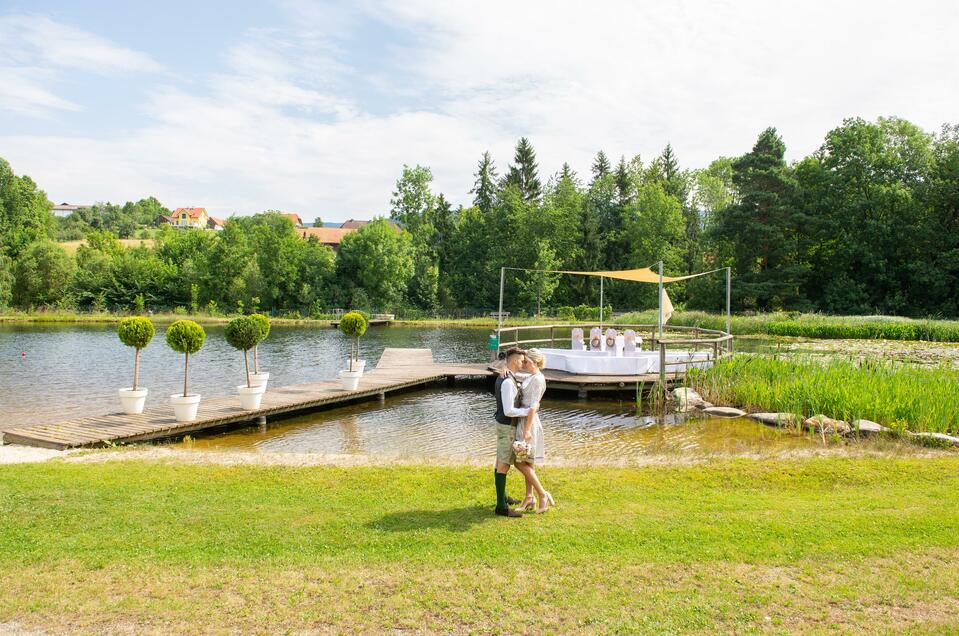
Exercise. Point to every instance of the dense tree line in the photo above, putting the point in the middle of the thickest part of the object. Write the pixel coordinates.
(868, 223)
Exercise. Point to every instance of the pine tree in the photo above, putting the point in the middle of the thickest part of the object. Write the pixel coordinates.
(601, 166)
(523, 174)
(760, 227)
(484, 188)
(625, 188)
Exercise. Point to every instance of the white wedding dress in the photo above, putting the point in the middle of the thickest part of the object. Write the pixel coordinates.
(533, 389)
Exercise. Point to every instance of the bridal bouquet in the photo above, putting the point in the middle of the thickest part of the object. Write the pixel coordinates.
(524, 452)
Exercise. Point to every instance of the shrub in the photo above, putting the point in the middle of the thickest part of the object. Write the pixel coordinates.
(243, 333)
(186, 337)
(136, 332)
(353, 325)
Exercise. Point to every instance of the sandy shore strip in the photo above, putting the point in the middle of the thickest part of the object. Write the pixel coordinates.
(12, 454)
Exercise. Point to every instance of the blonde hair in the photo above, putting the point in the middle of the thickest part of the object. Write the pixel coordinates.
(538, 358)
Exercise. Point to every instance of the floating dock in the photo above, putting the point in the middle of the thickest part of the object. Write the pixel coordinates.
(397, 370)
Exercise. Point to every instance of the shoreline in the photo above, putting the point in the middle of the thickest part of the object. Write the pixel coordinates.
(14, 454)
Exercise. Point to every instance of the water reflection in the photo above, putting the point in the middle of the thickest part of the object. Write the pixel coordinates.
(457, 425)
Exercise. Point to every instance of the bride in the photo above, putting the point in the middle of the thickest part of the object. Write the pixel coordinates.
(530, 430)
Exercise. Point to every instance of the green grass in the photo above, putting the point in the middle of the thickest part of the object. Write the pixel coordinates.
(813, 325)
(899, 396)
(823, 545)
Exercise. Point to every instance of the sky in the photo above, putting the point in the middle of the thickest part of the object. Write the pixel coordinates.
(314, 107)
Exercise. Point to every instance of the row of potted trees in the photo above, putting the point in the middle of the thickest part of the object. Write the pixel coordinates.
(244, 334)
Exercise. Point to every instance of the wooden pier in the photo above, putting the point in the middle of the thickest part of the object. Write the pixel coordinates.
(398, 369)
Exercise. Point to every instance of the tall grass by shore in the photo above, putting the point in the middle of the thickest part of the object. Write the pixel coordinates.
(898, 396)
(813, 325)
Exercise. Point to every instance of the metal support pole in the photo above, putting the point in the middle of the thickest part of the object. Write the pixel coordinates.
(660, 300)
(729, 287)
(601, 305)
(502, 281)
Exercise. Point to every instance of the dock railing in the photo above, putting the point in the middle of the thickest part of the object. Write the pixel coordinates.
(715, 343)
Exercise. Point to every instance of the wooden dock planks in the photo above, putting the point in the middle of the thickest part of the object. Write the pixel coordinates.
(397, 369)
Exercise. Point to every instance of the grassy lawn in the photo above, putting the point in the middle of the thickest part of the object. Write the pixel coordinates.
(815, 545)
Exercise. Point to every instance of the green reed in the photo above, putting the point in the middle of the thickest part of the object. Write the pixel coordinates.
(898, 396)
(814, 325)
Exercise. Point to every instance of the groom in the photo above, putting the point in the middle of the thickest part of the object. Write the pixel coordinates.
(507, 394)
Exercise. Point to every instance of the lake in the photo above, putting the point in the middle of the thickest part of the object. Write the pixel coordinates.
(54, 372)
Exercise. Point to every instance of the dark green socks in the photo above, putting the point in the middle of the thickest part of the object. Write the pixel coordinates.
(500, 490)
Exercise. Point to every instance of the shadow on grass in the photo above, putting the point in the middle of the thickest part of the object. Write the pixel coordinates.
(454, 519)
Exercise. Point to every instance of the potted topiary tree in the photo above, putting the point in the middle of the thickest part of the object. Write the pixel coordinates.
(257, 378)
(186, 337)
(135, 332)
(353, 326)
(243, 333)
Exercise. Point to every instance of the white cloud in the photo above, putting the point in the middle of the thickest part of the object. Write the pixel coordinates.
(284, 126)
(35, 51)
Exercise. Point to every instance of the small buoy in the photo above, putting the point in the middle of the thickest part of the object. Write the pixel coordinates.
(23, 354)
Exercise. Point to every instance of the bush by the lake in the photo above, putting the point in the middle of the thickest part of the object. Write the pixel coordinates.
(895, 395)
(186, 337)
(136, 332)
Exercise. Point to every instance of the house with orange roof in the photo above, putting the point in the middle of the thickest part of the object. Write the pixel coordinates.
(190, 217)
(294, 217)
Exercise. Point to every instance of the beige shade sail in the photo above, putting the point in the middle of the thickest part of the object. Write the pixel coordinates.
(640, 275)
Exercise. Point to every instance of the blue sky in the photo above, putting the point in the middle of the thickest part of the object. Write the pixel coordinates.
(314, 107)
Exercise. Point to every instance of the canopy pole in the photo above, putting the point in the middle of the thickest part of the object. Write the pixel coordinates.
(729, 287)
(601, 304)
(660, 300)
(499, 316)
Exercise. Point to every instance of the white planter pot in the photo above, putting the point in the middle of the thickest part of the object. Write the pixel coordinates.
(350, 379)
(250, 396)
(184, 408)
(132, 401)
(358, 365)
(259, 379)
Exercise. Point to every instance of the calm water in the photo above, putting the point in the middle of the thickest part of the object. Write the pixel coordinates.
(457, 425)
(73, 370)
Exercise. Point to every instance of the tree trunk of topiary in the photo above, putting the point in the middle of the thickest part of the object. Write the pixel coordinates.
(246, 361)
(186, 374)
(136, 369)
(256, 364)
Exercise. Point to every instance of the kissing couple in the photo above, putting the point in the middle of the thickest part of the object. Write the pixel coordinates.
(519, 433)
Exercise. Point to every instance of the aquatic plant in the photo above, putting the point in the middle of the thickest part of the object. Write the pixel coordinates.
(263, 322)
(186, 337)
(895, 395)
(136, 332)
(353, 326)
(243, 333)
(813, 325)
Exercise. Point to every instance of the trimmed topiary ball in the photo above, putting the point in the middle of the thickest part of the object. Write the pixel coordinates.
(243, 333)
(136, 332)
(185, 336)
(353, 324)
(263, 322)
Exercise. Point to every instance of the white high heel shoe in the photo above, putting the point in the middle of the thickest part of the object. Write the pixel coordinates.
(549, 503)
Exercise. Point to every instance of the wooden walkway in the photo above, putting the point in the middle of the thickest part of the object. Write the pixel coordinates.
(397, 369)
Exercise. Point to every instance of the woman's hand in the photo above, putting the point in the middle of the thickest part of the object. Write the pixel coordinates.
(528, 436)
(503, 372)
